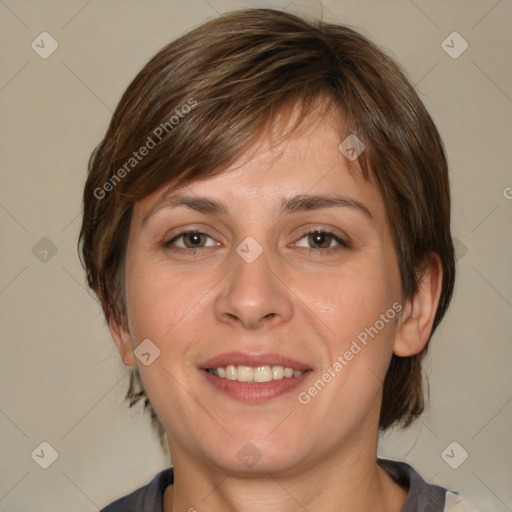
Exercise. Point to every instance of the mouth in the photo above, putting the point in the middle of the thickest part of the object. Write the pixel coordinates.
(254, 378)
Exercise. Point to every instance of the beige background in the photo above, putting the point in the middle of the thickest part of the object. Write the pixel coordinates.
(62, 381)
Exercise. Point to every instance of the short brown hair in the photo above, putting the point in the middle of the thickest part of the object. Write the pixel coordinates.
(235, 73)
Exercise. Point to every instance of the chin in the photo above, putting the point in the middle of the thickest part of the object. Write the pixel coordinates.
(243, 457)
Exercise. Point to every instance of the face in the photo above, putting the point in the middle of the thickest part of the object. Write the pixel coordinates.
(284, 260)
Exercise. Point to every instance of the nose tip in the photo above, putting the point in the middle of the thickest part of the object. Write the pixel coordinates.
(251, 322)
(253, 295)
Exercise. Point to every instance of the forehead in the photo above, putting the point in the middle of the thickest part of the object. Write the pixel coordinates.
(271, 168)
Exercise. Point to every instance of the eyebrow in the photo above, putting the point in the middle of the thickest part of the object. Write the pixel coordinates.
(317, 202)
(302, 202)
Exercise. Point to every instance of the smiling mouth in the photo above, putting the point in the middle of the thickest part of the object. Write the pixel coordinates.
(254, 377)
(255, 374)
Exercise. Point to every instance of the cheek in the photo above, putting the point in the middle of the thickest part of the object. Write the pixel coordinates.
(167, 308)
(353, 297)
(164, 305)
(359, 305)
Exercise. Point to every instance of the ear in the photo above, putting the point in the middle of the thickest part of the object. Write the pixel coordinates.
(419, 311)
(123, 341)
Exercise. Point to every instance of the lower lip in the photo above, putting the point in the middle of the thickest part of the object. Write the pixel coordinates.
(257, 391)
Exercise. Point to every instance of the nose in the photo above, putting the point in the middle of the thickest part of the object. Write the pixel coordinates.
(253, 295)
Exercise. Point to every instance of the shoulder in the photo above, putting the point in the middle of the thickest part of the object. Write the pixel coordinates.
(425, 497)
(422, 496)
(148, 498)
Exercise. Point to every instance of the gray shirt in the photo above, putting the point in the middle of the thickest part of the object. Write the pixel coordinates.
(422, 497)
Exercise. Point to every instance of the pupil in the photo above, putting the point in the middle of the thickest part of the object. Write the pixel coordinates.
(320, 239)
(194, 239)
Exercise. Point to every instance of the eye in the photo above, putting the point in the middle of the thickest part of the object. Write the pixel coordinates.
(191, 240)
(318, 240)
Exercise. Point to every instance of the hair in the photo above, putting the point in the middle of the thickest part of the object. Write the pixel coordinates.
(198, 104)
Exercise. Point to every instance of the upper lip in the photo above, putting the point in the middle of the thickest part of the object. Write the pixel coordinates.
(254, 360)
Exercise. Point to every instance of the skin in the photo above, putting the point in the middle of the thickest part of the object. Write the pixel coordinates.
(305, 304)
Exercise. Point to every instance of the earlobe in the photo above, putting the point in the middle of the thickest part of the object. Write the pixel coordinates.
(123, 342)
(419, 311)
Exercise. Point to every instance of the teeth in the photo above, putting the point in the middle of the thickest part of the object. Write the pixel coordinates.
(245, 374)
(231, 372)
(277, 372)
(264, 373)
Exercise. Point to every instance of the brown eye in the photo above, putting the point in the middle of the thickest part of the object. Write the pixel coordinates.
(318, 240)
(190, 240)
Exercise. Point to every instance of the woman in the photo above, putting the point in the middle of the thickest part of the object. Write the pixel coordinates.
(267, 227)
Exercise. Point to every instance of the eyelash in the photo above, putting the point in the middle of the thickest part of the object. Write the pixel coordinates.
(343, 244)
